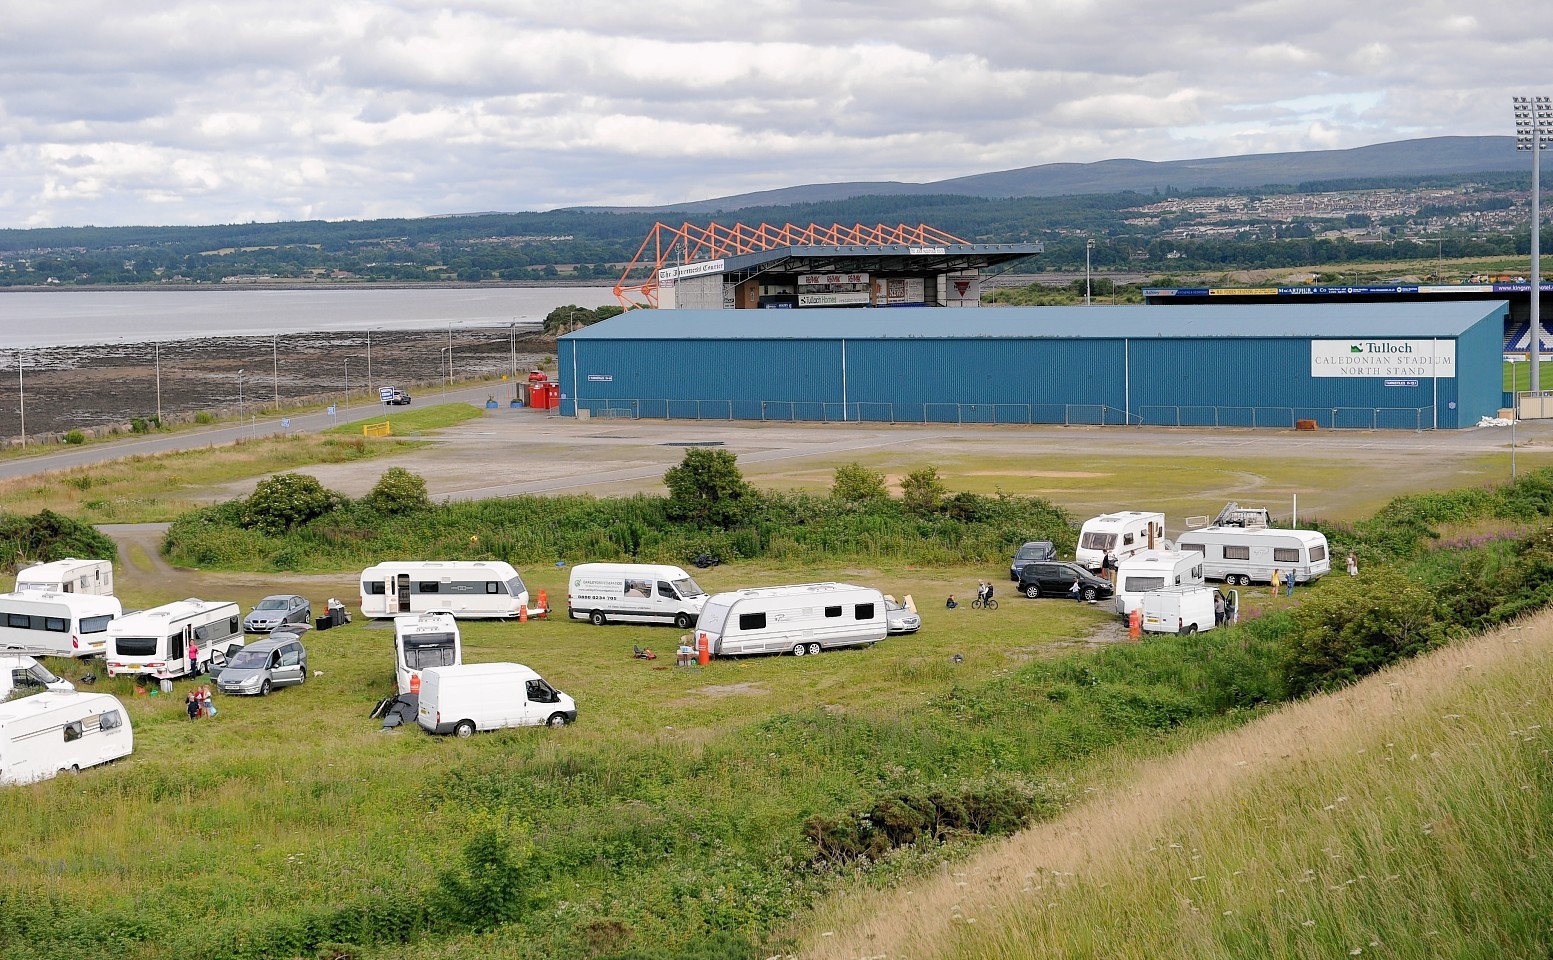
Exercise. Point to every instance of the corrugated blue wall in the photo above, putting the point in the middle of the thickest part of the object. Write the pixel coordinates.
(1199, 381)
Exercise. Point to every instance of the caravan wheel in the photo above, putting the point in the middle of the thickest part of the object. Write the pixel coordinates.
(814, 649)
(799, 650)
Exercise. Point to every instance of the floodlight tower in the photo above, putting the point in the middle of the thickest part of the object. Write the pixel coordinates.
(1534, 131)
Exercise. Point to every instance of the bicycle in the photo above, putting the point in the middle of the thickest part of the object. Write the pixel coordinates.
(987, 604)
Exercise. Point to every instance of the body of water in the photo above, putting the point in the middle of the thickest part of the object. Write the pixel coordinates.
(58, 318)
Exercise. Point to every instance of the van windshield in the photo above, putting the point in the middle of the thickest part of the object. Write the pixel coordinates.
(713, 616)
(135, 646)
(688, 588)
(1098, 541)
(1142, 584)
(41, 674)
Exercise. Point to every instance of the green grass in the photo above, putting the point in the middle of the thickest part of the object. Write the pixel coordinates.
(1517, 376)
(406, 421)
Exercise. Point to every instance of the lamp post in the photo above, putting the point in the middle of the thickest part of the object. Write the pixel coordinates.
(158, 348)
(276, 361)
(448, 350)
(1533, 131)
(369, 364)
(512, 345)
(1088, 246)
(21, 395)
(347, 383)
(239, 401)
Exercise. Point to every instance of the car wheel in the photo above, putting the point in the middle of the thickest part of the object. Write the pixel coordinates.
(1089, 593)
(1032, 591)
(597, 618)
(814, 649)
(464, 729)
(264, 688)
(303, 677)
(799, 650)
(556, 720)
(682, 621)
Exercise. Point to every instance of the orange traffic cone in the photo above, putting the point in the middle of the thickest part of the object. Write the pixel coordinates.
(523, 613)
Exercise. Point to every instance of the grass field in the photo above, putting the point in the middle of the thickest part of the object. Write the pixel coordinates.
(1405, 817)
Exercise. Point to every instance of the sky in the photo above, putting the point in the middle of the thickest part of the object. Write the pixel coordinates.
(172, 112)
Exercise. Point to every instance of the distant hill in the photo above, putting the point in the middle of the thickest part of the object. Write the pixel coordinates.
(1427, 157)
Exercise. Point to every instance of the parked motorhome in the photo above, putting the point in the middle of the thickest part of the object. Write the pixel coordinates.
(1242, 555)
(489, 696)
(421, 641)
(68, 576)
(804, 618)
(54, 733)
(19, 675)
(1184, 609)
(468, 589)
(156, 642)
(56, 624)
(1123, 534)
(633, 592)
(1154, 570)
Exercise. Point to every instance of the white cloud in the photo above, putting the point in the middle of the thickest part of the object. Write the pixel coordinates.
(184, 112)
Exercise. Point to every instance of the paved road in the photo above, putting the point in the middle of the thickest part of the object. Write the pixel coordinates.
(220, 434)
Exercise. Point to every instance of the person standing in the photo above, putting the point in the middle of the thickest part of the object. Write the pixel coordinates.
(1109, 565)
(1218, 608)
(194, 655)
(1288, 580)
(1075, 591)
(1353, 564)
(1277, 580)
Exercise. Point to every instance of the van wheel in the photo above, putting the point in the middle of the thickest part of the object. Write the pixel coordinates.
(264, 688)
(1089, 593)
(682, 621)
(464, 729)
(799, 650)
(1033, 592)
(597, 618)
(814, 649)
(1191, 628)
(556, 720)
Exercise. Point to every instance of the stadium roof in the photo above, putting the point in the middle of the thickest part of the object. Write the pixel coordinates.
(1305, 320)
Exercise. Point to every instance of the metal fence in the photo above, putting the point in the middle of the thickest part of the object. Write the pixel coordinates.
(1024, 414)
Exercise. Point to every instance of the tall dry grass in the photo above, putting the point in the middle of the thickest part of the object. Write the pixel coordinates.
(1410, 815)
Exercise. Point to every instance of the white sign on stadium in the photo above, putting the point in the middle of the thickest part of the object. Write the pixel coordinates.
(1383, 358)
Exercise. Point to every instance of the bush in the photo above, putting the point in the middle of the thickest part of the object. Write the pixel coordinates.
(856, 483)
(47, 536)
(286, 501)
(398, 491)
(204, 417)
(75, 437)
(923, 491)
(707, 488)
(1354, 626)
(489, 888)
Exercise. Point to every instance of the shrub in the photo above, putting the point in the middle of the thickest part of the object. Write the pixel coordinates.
(856, 483)
(75, 437)
(47, 536)
(399, 491)
(923, 491)
(204, 417)
(707, 488)
(489, 887)
(287, 500)
(1354, 626)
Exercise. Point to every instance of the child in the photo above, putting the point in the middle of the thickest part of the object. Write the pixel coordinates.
(950, 604)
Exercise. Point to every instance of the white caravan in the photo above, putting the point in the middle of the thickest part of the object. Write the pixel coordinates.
(421, 641)
(1154, 570)
(634, 592)
(489, 696)
(20, 675)
(804, 618)
(56, 624)
(469, 589)
(1247, 555)
(55, 733)
(1185, 609)
(68, 576)
(156, 642)
(1124, 534)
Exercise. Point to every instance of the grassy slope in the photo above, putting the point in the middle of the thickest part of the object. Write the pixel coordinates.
(1408, 816)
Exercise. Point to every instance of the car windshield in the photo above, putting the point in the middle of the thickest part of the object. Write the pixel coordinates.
(688, 588)
(248, 660)
(894, 605)
(1031, 551)
(273, 603)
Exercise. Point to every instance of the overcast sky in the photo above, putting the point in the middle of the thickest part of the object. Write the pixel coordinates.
(173, 112)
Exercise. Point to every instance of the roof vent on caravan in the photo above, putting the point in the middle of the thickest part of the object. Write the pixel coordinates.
(1234, 515)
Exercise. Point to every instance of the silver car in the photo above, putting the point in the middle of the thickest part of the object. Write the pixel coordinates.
(274, 611)
(259, 667)
(899, 618)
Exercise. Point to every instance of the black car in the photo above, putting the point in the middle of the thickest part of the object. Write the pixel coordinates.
(1054, 578)
(1034, 550)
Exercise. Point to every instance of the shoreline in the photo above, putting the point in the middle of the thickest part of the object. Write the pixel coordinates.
(304, 285)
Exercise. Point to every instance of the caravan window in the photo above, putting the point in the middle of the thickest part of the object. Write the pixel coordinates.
(832, 612)
(135, 646)
(95, 624)
(863, 611)
(72, 731)
(493, 586)
(371, 587)
(1201, 548)
(427, 586)
(1286, 555)
(1097, 541)
(752, 621)
(112, 720)
(1143, 584)
(1237, 553)
(515, 586)
(55, 624)
(1126, 539)
(1318, 554)
(713, 616)
(18, 621)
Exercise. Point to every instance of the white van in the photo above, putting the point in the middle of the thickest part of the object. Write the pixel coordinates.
(56, 624)
(24, 674)
(1123, 534)
(468, 589)
(155, 642)
(1154, 570)
(634, 592)
(421, 641)
(1185, 610)
(1248, 555)
(68, 576)
(55, 733)
(804, 618)
(489, 696)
